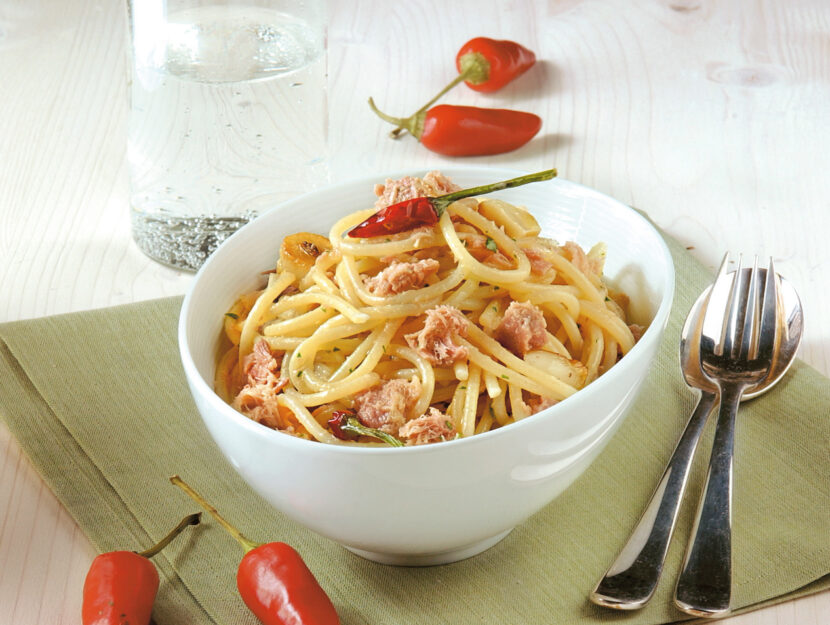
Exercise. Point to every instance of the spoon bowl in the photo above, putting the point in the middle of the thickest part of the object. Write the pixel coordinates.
(790, 331)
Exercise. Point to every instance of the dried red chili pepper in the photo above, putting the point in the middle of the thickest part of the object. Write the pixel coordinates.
(468, 130)
(339, 419)
(486, 65)
(345, 425)
(426, 211)
(272, 578)
(121, 586)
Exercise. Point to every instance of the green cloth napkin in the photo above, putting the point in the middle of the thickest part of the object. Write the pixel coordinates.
(99, 402)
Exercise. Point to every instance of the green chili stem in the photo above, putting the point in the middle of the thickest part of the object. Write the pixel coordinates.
(356, 427)
(441, 202)
(401, 127)
(474, 67)
(190, 519)
(247, 545)
(414, 124)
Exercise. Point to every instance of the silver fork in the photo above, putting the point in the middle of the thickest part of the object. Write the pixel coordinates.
(737, 350)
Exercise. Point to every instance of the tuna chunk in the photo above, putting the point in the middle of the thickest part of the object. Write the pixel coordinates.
(435, 341)
(258, 398)
(260, 366)
(432, 184)
(385, 407)
(522, 328)
(433, 427)
(589, 266)
(259, 403)
(399, 277)
(539, 404)
(539, 265)
(637, 331)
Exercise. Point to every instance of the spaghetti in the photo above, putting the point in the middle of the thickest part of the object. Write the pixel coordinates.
(429, 335)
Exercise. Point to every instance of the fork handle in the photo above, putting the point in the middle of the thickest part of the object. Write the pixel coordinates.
(632, 578)
(704, 587)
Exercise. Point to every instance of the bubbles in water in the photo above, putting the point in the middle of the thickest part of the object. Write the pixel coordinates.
(267, 33)
(183, 242)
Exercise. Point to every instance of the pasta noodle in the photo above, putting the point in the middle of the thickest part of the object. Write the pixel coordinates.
(428, 335)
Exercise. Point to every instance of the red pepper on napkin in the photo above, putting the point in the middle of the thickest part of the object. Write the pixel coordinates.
(273, 581)
(121, 586)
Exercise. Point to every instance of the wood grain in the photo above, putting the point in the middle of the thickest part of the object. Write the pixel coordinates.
(711, 116)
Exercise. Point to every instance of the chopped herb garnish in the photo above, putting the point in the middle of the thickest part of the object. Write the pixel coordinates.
(232, 315)
(384, 348)
(504, 375)
(491, 245)
(300, 373)
(335, 349)
(448, 425)
(299, 355)
(462, 387)
(496, 288)
(496, 308)
(490, 408)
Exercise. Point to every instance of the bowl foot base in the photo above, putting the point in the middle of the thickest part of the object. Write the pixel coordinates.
(430, 559)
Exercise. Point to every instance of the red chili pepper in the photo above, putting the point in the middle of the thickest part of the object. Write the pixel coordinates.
(346, 426)
(121, 586)
(485, 65)
(468, 130)
(272, 578)
(338, 420)
(400, 217)
(426, 211)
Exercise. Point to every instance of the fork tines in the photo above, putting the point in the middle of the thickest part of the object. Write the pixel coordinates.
(747, 297)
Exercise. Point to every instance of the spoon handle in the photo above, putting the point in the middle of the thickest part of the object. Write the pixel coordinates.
(704, 586)
(632, 578)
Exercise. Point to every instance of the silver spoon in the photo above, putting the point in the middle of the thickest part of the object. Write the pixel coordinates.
(632, 578)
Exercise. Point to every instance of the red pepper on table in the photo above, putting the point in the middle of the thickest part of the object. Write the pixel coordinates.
(468, 130)
(486, 65)
(272, 578)
(426, 211)
(345, 425)
(121, 586)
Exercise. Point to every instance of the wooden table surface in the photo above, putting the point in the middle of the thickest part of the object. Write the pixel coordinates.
(712, 116)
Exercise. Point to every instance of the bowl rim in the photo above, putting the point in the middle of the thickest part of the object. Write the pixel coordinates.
(200, 385)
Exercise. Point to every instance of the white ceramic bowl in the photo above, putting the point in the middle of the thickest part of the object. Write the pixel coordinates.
(434, 503)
